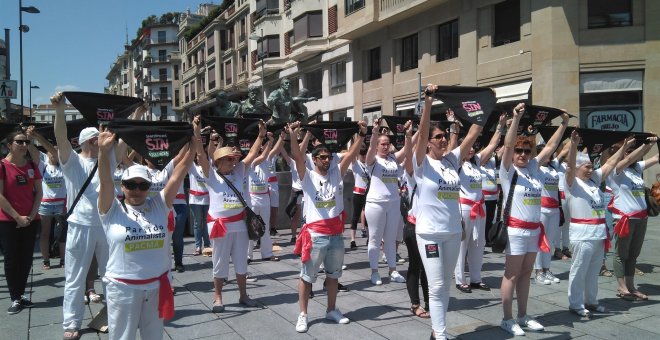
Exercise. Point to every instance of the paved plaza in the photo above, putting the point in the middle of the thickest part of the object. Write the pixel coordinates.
(375, 312)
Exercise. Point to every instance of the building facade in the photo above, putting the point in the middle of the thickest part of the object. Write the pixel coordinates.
(45, 113)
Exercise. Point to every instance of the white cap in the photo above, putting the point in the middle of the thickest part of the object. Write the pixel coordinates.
(87, 134)
(137, 171)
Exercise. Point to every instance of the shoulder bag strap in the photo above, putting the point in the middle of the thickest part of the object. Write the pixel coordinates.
(231, 185)
(82, 190)
(507, 208)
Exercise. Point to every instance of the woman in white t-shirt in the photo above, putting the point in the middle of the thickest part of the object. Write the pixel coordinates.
(138, 289)
(438, 226)
(382, 209)
(226, 216)
(629, 214)
(588, 230)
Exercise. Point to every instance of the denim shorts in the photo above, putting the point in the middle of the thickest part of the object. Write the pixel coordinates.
(51, 209)
(328, 250)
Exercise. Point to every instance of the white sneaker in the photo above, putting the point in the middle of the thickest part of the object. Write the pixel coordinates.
(375, 279)
(384, 259)
(337, 316)
(250, 278)
(512, 327)
(550, 276)
(527, 321)
(400, 259)
(301, 325)
(343, 267)
(541, 279)
(396, 277)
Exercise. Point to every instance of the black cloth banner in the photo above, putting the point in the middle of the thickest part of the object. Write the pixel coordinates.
(157, 141)
(101, 108)
(73, 128)
(596, 141)
(7, 128)
(396, 126)
(472, 104)
(334, 135)
(240, 132)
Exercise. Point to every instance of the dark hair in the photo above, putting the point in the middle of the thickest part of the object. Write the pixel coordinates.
(363, 149)
(317, 150)
(433, 126)
(12, 135)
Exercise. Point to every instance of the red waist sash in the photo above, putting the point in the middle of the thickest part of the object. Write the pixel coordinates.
(219, 228)
(50, 200)
(544, 245)
(490, 192)
(329, 226)
(549, 202)
(477, 207)
(595, 221)
(198, 193)
(165, 296)
(622, 228)
(359, 190)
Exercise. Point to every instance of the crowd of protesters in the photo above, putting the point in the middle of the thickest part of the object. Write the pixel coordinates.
(119, 218)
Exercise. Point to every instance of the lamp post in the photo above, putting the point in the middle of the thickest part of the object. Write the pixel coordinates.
(258, 38)
(23, 29)
(32, 87)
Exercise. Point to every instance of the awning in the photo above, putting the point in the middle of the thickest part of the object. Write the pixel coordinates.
(511, 92)
(611, 81)
(411, 105)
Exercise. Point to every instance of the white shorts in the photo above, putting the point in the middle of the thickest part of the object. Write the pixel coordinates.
(521, 245)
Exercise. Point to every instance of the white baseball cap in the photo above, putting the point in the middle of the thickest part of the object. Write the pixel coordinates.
(87, 134)
(137, 171)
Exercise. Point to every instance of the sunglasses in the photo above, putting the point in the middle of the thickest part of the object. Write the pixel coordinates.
(132, 185)
(522, 150)
(324, 157)
(439, 136)
(22, 142)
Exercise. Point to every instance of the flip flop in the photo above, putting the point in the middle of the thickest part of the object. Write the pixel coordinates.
(640, 296)
(627, 296)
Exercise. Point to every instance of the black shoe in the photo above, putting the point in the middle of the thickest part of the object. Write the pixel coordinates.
(311, 294)
(179, 268)
(353, 245)
(479, 285)
(25, 303)
(464, 288)
(273, 232)
(15, 307)
(340, 287)
(293, 239)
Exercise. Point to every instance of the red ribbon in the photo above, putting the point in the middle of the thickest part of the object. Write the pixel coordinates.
(165, 296)
(622, 228)
(477, 207)
(412, 219)
(490, 192)
(180, 196)
(544, 245)
(329, 226)
(219, 228)
(595, 221)
(198, 193)
(272, 179)
(359, 190)
(170, 221)
(549, 202)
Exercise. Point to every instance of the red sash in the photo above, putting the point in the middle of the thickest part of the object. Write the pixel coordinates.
(358, 190)
(219, 228)
(49, 200)
(549, 202)
(595, 221)
(477, 207)
(329, 226)
(198, 193)
(544, 245)
(411, 218)
(490, 192)
(272, 179)
(180, 196)
(170, 221)
(562, 195)
(165, 296)
(622, 228)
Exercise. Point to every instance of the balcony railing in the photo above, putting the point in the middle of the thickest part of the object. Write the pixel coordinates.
(353, 5)
(161, 96)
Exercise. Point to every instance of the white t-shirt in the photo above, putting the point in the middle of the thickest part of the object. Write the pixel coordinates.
(52, 185)
(628, 189)
(526, 203)
(550, 181)
(258, 179)
(198, 193)
(410, 186)
(138, 241)
(585, 201)
(295, 179)
(272, 174)
(561, 172)
(76, 171)
(323, 195)
(489, 176)
(437, 208)
(223, 202)
(471, 182)
(385, 175)
(180, 194)
(361, 176)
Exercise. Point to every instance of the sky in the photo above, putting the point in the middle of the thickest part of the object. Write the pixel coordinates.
(72, 44)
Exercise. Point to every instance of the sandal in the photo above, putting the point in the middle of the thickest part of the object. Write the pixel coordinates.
(73, 334)
(46, 265)
(627, 296)
(273, 258)
(419, 311)
(639, 295)
(197, 252)
(93, 297)
(62, 263)
(605, 272)
(639, 272)
(479, 285)
(583, 312)
(597, 308)
(464, 288)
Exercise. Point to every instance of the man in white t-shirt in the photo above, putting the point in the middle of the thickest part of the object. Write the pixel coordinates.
(321, 238)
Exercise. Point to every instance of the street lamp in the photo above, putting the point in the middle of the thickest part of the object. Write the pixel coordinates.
(258, 38)
(23, 29)
(32, 87)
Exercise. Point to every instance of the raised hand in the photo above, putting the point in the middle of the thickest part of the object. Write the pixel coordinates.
(106, 140)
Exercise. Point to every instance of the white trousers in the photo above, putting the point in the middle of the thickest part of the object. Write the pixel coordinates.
(82, 242)
(550, 222)
(131, 309)
(583, 278)
(562, 236)
(473, 245)
(233, 245)
(439, 267)
(261, 206)
(384, 220)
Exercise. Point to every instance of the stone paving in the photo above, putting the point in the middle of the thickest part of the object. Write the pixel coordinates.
(375, 311)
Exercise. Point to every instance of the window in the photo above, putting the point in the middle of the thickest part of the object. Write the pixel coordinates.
(338, 116)
(338, 77)
(507, 22)
(163, 93)
(211, 77)
(242, 29)
(447, 41)
(243, 61)
(186, 91)
(612, 100)
(309, 25)
(125, 78)
(265, 7)
(161, 36)
(176, 98)
(230, 37)
(162, 74)
(353, 5)
(612, 13)
(228, 73)
(125, 64)
(374, 64)
(294, 86)
(176, 72)
(163, 112)
(210, 46)
(409, 56)
(269, 46)
(223, 40)
(314, 83)
(162, 55)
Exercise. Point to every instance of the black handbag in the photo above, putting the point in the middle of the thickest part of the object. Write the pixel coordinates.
(256, 227)
(498, 234)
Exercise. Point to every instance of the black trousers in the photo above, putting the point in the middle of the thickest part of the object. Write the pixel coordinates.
(18, 249)
(416, 273)
(491, 208)
(359, 201)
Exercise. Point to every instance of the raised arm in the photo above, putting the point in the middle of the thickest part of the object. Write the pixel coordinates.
(352, 153)
(454, 128)
(485, 154)
(616, 158)
(572, 156)
(511, 135)
(265, 153)
(254, 150)
(179, 173)
(107, 186)
(279, 145)
(370, 158)
(32, 133)
(424, 125)
(203, 159)
(651, 161)
(634, 156)
(296, 154)
(554, 141)
(305, 142)
(64, 148)
(407, 149)
(401, 154)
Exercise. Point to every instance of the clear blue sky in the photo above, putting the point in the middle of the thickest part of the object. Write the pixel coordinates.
(72, 43)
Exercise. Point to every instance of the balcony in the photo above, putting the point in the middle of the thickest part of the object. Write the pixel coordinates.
(160, 97)
(307, 48)
(158, 60)
(155, 80)
(157, 42)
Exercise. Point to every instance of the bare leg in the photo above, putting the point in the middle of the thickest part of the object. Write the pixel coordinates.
(513, 266)
(522, 284)
(44, 237)
(242, 286)
(217, 285)
(331, 286)
(304, 289)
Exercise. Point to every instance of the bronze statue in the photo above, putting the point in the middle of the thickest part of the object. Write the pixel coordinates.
(252, 105)
(224, 107)
(280, 102)
(299, 110)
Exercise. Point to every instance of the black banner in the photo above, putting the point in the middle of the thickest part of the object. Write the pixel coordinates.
(101, 108)
(334, 135)
(472, 104)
